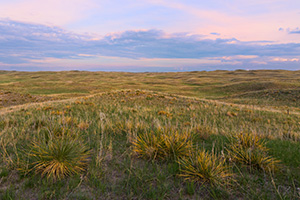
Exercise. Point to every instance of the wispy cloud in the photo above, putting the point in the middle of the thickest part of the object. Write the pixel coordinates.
(294, 31)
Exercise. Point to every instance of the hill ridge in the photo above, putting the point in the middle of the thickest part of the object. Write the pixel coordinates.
(16, 108)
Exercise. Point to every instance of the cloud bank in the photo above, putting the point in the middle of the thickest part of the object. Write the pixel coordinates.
(29, 46)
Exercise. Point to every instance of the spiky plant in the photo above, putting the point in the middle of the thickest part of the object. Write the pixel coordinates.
(174, 145)
(248, 140)
(248, 148)
(163, 145)
(203, 167)
(58, 157)
(146, 145)
(253, 157)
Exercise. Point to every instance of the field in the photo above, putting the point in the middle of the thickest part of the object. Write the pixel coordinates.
(185, 135)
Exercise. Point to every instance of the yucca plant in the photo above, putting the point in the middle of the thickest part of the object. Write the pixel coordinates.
(58, 157)
(174, 145)
(163, 145)
(203, 167)
(250, 149)
(255, 158)
(146, 145)
(248, 140)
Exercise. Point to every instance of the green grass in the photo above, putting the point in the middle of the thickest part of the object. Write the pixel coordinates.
(108, 124)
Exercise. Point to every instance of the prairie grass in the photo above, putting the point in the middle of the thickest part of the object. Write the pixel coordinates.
(123, 122)
(205, 168)
(146, 145)
(250, 149)
(256, 87)
(163, 145)
(175, 145)
(56, 157)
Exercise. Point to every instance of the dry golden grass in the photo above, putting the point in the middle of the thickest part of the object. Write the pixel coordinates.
(203, 167)
(163, 145)
(146, 146)
(250, 149)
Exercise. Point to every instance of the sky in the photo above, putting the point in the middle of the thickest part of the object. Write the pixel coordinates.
(149, 35)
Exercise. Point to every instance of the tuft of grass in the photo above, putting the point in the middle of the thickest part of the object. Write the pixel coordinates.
(58, 157)
(249, 149)
(163, 146)
(254, 158)
(175, 145)
(203, 167)
(248, 140)
(146, 145)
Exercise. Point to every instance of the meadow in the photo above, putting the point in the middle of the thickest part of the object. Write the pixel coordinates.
(185, 135)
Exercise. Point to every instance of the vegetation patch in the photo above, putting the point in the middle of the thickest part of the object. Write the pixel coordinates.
(203, 167)
(249, 149)
(57, 158)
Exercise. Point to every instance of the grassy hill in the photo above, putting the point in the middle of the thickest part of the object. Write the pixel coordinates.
(209, 85)
(179, 136)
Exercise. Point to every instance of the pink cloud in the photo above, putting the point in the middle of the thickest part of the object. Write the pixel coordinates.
(239, 57)
(278, 59)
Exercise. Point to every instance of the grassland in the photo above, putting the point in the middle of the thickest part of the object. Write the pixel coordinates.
(136, 134)
(271, 88)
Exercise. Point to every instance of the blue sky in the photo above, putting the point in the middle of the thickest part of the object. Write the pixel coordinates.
(149, 35)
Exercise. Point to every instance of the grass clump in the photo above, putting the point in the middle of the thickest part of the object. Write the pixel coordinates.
(58, 158)
(203, 167)
(175, 145)
(249, 149)
(163, 146)
(146, 145)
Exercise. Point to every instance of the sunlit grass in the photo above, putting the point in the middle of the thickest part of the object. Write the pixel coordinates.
(203, 167)
(58, 158)
(250, 149)
(146, 146)
(163, 145)
(175, 145)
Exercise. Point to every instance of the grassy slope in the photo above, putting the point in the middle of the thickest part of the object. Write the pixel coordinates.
(106, 124)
